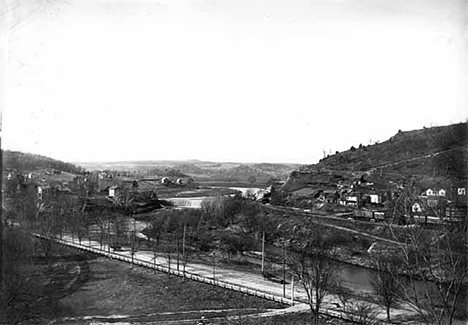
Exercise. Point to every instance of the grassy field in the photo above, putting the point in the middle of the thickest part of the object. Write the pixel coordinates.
(114, 288)
(116, 292)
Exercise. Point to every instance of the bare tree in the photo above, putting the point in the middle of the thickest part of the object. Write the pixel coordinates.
(169, 249)
(358, 311)
(79, 222)
(363, 313)
(436, 267)
(313, 261)
(385, 287)
(20, 291)
(434, 261)
(101, 221)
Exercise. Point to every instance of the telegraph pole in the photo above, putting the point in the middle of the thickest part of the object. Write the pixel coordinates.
(183, 242)
(284, 273)
(263, 251)
(292, 290)
(214, 266)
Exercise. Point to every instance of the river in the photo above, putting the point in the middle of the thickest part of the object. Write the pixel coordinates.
(354, 277)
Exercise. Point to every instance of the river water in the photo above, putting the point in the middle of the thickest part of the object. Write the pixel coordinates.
(354, 277)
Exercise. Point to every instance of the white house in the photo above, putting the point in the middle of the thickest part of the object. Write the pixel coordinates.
(416, 207)
(375, 198)
(442, 192)
(113, 191)
(429, 192)
(461, 191)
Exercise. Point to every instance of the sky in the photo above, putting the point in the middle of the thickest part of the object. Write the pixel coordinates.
(226, 80)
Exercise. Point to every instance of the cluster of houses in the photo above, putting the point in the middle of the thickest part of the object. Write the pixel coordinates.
(441, 204)
(370, 201)
(432, 205)
(34, 183)
(357, 195)
(108, 185)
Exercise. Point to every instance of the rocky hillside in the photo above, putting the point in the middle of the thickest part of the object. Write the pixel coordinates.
(436, 155)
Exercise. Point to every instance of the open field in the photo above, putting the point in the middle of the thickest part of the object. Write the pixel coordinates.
(115, 290)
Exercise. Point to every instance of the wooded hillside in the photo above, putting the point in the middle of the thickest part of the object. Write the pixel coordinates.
(19, 161)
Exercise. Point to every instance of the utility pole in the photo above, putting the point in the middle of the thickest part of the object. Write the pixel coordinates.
(108, 236)
(214, 266)
(178, 253)
(154, 257)
(263, 251)
(284, 273)
(134, 229)
(292, 290)
(183, 242)
(184, 260)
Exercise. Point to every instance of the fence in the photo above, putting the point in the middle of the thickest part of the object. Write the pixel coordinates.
(158, 267)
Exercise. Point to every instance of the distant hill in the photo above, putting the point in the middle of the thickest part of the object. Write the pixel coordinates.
(197, 168)
(19, 161)
(436, 155)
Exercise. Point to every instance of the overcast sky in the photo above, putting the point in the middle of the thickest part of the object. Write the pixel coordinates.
(226, 80)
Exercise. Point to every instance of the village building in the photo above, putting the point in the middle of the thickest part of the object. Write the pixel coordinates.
(330, 197)
(429, 192)
(375, 198)
(39, 192)
(113, 190)
(416, 208)
(351, 199)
